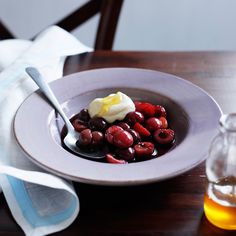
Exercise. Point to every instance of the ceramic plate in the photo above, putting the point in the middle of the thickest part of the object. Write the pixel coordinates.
(193, 114)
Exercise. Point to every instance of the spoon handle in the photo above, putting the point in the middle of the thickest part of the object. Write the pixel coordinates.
(45, 88)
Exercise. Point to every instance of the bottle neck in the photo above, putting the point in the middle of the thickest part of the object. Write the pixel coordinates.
(228, 123)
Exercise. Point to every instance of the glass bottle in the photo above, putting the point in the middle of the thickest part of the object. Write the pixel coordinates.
(220, 196)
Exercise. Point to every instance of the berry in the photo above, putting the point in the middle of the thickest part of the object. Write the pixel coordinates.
(97, 138)
(153, 124)
(110, 132)
(137, 103)
(126, 154)
(160, 111)
(133, 117)
(98, 124)
(143, 132)
(144, 149)
(85, 138)
(124, 125)
(147, 109)
(113, 160)
(79, 125)
(123, 139)
(135, 135)
(164, 122)
(164, 136)
(84, 115)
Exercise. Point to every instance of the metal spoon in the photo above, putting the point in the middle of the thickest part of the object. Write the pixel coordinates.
(72, 135)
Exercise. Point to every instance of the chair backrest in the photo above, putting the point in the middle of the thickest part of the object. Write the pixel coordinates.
(109, 15)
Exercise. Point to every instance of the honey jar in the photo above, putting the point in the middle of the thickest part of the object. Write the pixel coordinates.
(220, 195)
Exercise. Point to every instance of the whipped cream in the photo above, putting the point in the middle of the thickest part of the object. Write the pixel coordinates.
(113, 107)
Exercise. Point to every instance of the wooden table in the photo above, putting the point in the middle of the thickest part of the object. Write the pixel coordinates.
(169, 208)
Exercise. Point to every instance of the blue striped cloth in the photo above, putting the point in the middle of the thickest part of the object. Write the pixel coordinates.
(41, 203)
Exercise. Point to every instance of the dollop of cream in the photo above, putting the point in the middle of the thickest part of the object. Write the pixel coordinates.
(113, 107)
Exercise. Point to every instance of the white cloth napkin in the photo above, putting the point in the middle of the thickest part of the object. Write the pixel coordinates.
(40, 202)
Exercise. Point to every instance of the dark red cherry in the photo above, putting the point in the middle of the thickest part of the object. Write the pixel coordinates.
(110, 132)
(160, 111)
(122, 139)
(98, 124)
(84, 115)
(126, 154)
(133, 117)
(85, 138)
(135, 135)
(124, 125)
(79, 125)
(164, 136)
(153, 123)
(144, 149)
(111, 159)
(97, 138)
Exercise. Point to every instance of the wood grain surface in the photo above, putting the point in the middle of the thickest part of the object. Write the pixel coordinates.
(169, 208)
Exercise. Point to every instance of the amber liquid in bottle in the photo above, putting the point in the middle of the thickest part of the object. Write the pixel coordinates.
(220, 203)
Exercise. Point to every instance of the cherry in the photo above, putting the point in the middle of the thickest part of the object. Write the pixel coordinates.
(144, 149)
(110, 132)
(123, 139)
(126, 154)
(143, 132)
(164, 136)
(153, 124)
(84, 115)
(135, 135)
(79, 125)
(124, 125)
(98, 124)
(85, 138)
(160, 111)
(164, 122)
(147, 109)
(111, 159)
(133, 117)
(137, 103)
(97, 138)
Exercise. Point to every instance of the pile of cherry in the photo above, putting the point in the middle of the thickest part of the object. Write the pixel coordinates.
(138, 137)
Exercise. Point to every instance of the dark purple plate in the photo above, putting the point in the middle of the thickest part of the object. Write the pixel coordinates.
(193, 114)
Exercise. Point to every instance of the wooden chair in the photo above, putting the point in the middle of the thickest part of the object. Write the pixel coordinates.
(109, 14)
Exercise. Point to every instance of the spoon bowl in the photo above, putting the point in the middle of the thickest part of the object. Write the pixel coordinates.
(70, 142)
(72, 135)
